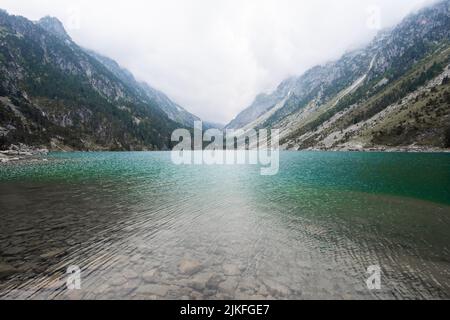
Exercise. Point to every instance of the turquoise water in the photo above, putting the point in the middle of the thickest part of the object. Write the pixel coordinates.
(140, 227)
(418, 175)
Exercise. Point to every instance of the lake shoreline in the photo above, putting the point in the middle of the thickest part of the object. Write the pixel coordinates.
(383, 150)
(380, 148)
(22, 153)
(25, 154)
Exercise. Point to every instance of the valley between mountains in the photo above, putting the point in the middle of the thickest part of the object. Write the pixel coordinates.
(392, 94)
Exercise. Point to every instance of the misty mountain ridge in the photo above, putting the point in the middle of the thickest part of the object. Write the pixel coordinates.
(56, 94)
(351, 103)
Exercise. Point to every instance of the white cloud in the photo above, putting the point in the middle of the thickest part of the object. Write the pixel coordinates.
(214, 56)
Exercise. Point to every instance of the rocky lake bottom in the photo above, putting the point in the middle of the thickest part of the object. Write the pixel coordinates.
(139, 227)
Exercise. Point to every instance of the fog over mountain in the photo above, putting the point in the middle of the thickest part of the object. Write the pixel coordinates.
(214, 57)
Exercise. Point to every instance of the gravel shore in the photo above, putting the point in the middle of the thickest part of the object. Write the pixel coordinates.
(22, 152)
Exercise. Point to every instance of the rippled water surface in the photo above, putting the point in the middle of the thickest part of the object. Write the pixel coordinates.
(140, 227)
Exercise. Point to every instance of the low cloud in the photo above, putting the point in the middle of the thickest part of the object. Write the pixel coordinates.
(214, 56)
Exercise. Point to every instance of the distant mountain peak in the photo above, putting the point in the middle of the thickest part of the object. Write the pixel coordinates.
(54, 26)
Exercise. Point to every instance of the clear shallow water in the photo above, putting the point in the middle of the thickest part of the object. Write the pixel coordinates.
(142, 228)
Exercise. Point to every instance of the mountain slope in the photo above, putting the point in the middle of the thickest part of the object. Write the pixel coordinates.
(174, 111)
(54, 94)
(322, 108)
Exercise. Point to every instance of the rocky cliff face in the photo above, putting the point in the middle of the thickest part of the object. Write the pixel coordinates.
(54, 26)
(174, 111)
(55, 94)
(392, 93)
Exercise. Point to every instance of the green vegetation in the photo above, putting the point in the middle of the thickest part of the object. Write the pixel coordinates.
(446, 80)
(372, 100)
(447, 138)
(66, 102)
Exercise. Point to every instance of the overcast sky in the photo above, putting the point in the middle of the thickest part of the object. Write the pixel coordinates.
(214, 56)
